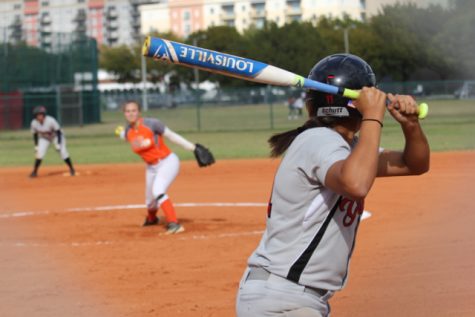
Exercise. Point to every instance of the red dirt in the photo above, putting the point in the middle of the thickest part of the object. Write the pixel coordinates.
(415, 256)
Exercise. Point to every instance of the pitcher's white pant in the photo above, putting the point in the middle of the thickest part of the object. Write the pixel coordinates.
(43, 145)
(158, 178)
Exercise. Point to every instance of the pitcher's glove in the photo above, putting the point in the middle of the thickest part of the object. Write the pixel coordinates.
(203, 156)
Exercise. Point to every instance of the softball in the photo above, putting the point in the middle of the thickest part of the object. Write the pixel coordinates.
(119, 130)
(423, 110)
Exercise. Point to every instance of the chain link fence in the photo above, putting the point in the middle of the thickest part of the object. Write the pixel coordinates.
(61, 75)
(253, 108)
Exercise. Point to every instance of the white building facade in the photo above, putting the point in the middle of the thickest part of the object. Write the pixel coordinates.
(184, 17)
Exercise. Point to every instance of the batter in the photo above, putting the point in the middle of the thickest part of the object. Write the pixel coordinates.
(318, 194)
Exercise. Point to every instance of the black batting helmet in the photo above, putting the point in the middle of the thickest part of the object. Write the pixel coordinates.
(342, 70)
(39, 110)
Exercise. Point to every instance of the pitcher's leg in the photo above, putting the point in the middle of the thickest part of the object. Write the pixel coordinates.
(150, 202)
(167, 171)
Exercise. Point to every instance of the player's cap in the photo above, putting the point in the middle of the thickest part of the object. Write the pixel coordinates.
(342, 70)
(39, 110)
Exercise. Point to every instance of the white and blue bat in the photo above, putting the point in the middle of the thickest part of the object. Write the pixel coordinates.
(240, 67)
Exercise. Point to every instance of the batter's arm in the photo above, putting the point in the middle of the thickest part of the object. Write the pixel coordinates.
(354, 176)
(415, 159)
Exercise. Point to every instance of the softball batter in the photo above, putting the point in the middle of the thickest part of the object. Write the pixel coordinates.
(319, 189)
(145, 136)
(46, 130)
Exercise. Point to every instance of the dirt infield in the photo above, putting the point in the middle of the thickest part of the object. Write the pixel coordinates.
(73, 246)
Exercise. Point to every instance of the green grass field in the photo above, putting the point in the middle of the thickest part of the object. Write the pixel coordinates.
(230, 132)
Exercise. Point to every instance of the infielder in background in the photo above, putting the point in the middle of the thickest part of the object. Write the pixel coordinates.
(145, 136)
(319, 189)
(46, 130)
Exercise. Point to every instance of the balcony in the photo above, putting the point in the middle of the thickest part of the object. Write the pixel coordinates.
(226, 16)
(45, 20)
(112, 25)
(112, 13)
(113, 36)
(80, 17)
(46, 29)
(293, 18)
(135, 23)
(46, 39)
(81, 28)
(16, 24)
(258, 14)
(292, 10)
(135, 14)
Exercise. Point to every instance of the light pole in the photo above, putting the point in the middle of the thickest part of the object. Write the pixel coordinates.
(346, 36)
(195, 70)
(197, 83)
(346, 41)
(144, 84)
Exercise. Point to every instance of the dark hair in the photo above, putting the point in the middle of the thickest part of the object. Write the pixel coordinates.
(280, 142)
(131, 101)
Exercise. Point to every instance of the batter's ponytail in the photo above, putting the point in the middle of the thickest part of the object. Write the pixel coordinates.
(280, 142)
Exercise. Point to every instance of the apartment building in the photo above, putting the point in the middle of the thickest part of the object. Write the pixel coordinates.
(38, 22)
(183, 17)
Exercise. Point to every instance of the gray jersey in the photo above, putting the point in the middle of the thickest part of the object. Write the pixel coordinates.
(156, 126)
(47, 130)
(310, 230)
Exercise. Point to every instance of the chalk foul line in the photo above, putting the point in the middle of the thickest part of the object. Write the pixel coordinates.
(366, 214)
(124, 208)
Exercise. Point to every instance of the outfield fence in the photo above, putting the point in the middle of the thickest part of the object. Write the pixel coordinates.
(250, 108)
(253, 108)
(61, 75)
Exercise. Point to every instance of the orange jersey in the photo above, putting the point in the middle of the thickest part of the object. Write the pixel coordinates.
(146, 139)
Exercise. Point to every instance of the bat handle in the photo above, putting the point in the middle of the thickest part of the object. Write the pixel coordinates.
(422, 109)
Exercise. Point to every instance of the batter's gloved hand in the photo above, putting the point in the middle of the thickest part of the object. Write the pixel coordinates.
(36, 149)
(203, 156)
(120, 131)
(57, 146)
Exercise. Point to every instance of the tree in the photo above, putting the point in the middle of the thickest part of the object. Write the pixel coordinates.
(456, 40)
(121, 61)
(405, 37)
